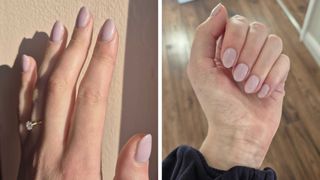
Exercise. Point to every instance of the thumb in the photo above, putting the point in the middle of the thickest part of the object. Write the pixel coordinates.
(133, 161)
(207, 34)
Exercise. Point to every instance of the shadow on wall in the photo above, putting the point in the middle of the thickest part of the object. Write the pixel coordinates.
(140, 93)
(9, 96)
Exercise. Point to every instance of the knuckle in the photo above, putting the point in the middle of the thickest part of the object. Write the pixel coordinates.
(240, 18)
(91, 95)
(105, 59)
(259, 26)
(285, 59)
(57, 85)
(275, 40)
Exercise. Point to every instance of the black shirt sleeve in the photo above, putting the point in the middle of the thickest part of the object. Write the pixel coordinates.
(186, 163)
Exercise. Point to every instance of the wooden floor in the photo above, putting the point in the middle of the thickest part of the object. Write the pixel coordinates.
(297, 8)
(295, 150)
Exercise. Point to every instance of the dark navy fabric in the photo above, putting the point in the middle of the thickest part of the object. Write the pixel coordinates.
(186, 163)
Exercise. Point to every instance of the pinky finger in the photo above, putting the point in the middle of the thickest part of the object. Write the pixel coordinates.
(28, 81)
(274, 83)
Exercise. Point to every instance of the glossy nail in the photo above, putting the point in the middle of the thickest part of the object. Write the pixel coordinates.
(107, 30)
(25, 63)
(240, 72)
(229, 57)
(264, 91)
(57, 32)
(251, 84)
(216, 10)
(144, 149)
(83, 17)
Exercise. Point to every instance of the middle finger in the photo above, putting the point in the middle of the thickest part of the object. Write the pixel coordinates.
(62, 83)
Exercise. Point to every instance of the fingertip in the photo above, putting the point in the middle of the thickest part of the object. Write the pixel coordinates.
(133, 160)
(27, 63)
(143, 150)
(108, 31)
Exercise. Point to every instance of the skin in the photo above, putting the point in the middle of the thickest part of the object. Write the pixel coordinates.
(240, 125)
(68, 144)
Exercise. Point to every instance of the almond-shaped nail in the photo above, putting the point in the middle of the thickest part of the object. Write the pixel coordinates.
(264, 91)
(57, 32)
(83, 17)
(107, 30)
(240, 72)
(216, 10)
(144, 149)
(229, 57)
(25, 63)
(251, 84)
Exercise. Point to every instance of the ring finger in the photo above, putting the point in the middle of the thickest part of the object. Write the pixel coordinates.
(269, 54)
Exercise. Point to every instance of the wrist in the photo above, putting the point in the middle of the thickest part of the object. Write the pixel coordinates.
(224, 149)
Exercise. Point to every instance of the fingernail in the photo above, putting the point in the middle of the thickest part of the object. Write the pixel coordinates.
(57, 32)
(228, 58)
(216, 10)
(264, 91)
(240, 72)
(25, 63)
(144, 149)
(107, 30)
(83, 17)
(251, 84)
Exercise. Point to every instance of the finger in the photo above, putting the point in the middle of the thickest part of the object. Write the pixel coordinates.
(207, 34)
(234, 39)
(62, 82)
(256, 37)
(273, 85)
(28, 81)
(55, 46)
(133, 161)
(86, 130)
(269, 54)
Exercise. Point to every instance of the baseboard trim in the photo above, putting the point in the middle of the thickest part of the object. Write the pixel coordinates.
(313, 46)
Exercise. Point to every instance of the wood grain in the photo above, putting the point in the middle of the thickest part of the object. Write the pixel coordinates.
(295, 151)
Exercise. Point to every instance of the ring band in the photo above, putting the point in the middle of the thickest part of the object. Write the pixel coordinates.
(30, 124)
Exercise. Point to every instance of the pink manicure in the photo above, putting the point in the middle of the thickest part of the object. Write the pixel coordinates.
(229, 57)
(25, 63)
(251, 84)
(57, 32)
(83, 17)
(107, 30)
(216, 10)
(144, 149)
(264, 91)
(240, 72)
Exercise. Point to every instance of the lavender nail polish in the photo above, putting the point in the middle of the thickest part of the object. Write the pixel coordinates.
(240, 72)
(57, 32)
(144, 149)
(264, 91)
(216, 10)
(25, 63)
(251, 84)
(83, 17)
(107, 30)
(229, 57)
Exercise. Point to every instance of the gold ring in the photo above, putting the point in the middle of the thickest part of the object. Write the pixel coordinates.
(30, 124)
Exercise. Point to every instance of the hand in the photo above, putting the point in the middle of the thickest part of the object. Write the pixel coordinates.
(242, 92)
(65, 142)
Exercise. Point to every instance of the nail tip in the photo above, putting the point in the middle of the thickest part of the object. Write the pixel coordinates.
(216, 10)
(107, 30)
(83, 17)
(144, 149)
